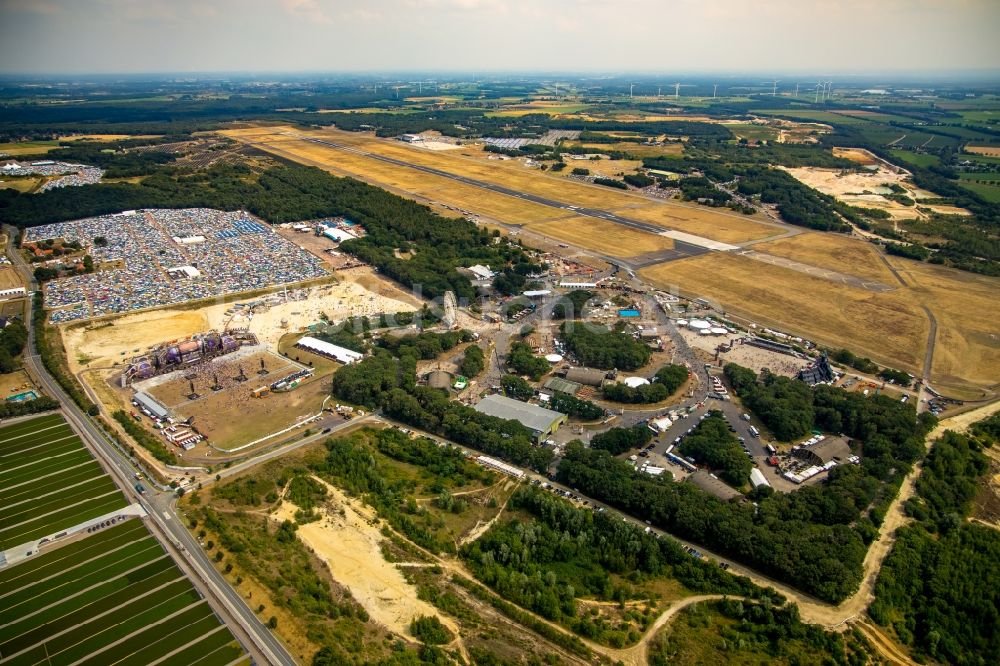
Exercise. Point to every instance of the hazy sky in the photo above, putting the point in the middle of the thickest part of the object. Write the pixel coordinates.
(679, 36)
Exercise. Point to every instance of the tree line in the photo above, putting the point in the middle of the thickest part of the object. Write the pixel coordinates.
(939, 588)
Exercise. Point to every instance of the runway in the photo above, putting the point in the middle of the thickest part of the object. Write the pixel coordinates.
(681, 249)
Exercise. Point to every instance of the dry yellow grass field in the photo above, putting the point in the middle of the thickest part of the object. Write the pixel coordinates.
(606, 168)
(968, 338)
(989, 151)
(509, 173)
(833, 251)
(666, 150)
(23, 184)
(9, 278)
(891, 328)
(888, 327)
(727, 227)
(610, 238)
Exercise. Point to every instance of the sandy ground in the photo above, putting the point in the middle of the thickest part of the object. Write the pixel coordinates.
(16, 382)
(9, 278)
(850, 188)
(858, 155)
(360, 292)
(349, 544)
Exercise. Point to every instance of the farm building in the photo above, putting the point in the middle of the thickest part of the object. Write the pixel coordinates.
(586, 376)
(540, 421)
(713, 486)
(323, 348)
(833, 449)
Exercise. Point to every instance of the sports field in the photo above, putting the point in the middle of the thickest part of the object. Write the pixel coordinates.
(48, 481)
(114, 597)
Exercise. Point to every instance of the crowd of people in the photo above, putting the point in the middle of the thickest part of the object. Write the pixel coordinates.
(229, 251)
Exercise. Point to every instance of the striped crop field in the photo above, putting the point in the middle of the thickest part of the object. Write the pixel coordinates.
(49, 481)
(114, 597)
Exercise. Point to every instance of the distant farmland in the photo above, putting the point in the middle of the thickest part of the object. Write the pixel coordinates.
(48, 481)
(114, 597)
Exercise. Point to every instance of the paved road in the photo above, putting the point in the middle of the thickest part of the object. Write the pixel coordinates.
(681, 249)
(262, 645)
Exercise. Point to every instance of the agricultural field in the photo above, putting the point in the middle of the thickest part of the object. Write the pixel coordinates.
(112, 597)
(49, 481)
(917, 159)
(987, 190)
(637, 149)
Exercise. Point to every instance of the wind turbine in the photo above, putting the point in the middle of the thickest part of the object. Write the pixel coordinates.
(715, 88)
(774, 88)
(796, 90)
(819, 86)
(829, 89)
(677, 89)
(630, 87)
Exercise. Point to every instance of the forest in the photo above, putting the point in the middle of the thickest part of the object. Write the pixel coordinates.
(665, 383)
(572, 304)
(617, 441)
(382, 381)
(524, 362)
(564, 553)
(939, 588)
(735, 631)
(819, 533)
(598, 347)
(575, 407)
(713, 444)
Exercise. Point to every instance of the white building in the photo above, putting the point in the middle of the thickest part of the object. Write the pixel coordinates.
(323, 348)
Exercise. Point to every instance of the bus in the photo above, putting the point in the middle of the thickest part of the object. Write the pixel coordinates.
(754, 431)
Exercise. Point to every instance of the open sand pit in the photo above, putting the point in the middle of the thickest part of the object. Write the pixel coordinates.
(347, 541)
(866, 189)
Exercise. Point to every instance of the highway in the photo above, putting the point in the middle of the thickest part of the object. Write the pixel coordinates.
(164, 523)
(681, 249)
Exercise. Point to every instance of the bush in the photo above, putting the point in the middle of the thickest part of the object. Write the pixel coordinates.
(429, 630)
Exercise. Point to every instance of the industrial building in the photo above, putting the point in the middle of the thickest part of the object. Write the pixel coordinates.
(540, 421)
(324, 348)
(713, 486)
